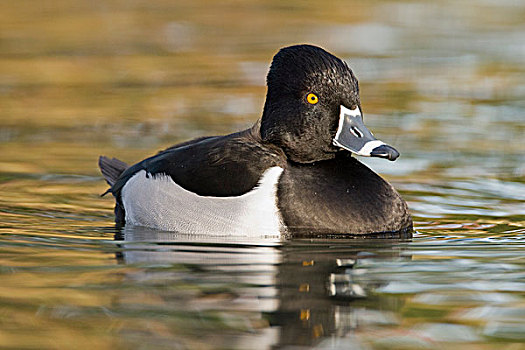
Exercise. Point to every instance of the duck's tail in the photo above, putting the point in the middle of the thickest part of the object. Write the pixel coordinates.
(111, 169)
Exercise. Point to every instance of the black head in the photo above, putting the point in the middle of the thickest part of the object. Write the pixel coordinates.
(307, 91)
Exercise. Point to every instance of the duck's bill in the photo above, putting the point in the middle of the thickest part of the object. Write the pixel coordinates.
(353, 135)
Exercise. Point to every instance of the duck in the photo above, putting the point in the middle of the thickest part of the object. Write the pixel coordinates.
(294, 172)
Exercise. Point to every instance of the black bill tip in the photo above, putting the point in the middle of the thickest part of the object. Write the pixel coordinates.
(385, 151)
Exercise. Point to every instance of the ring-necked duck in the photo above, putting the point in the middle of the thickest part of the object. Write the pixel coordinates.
(292, 172)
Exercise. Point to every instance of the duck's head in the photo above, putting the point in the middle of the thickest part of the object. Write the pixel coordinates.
(312, 108)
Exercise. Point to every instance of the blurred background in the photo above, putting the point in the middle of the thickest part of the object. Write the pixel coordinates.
(442, 81)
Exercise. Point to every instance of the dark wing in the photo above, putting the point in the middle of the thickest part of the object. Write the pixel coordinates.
(219, 166)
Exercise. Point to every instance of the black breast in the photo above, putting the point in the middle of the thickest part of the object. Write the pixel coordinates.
(340, 196)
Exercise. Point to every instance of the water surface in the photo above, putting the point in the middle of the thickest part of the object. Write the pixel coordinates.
(442, 81)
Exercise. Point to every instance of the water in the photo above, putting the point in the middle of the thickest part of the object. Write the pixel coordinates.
(442, 81)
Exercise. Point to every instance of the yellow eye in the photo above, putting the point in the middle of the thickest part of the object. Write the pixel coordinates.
(312, 98)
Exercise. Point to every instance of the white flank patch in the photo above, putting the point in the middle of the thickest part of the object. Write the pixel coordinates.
(345, 111)
(160, 203)
(369, 147)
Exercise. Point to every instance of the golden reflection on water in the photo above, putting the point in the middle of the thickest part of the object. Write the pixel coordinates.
(442, 81)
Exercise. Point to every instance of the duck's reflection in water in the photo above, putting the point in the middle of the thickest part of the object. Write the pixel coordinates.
(265, 292)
